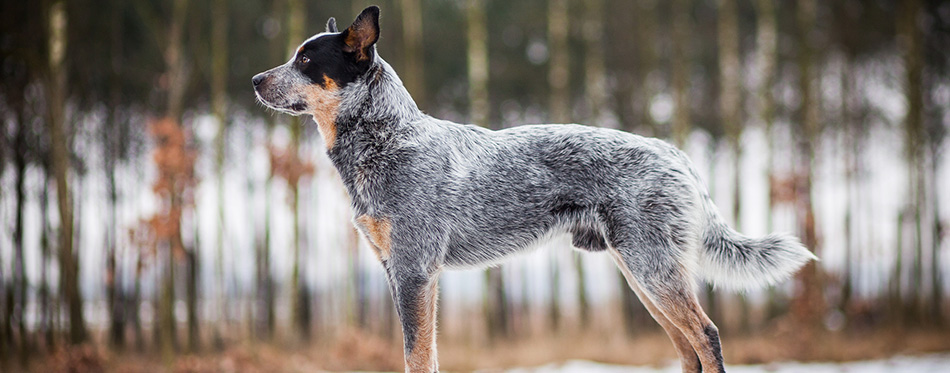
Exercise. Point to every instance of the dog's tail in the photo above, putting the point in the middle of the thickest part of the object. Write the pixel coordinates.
(732, 260)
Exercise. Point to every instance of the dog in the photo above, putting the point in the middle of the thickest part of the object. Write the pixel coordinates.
(429, 194)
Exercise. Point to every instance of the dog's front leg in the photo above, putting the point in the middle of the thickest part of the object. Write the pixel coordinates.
(415, 293)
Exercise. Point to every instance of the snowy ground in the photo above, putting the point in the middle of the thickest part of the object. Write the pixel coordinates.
(938, 363)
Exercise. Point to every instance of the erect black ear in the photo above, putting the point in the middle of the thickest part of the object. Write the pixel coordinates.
(331, 25)
(363, 34)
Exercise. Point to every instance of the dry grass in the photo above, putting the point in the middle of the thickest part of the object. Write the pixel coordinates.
(353, 350)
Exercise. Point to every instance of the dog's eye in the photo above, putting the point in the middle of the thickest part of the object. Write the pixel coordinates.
(304, 60)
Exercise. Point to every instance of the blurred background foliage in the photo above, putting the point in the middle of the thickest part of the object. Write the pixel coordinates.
(149, 207)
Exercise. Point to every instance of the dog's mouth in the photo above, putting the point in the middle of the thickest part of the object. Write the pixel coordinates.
(298, 107)
(295, 108)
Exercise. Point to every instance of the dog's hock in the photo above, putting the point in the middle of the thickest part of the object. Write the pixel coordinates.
(363, 34)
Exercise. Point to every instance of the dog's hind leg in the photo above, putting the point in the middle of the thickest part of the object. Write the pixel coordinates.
(661, 282)
(415, 294)
(684, 349)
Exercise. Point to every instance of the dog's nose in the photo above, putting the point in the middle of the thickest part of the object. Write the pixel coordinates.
(257, 79)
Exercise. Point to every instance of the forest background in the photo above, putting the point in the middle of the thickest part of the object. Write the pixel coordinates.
(152, 215)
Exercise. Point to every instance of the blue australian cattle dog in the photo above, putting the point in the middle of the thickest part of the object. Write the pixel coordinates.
(430, 194)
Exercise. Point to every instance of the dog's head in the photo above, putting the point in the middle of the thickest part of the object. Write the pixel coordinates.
(311, 81)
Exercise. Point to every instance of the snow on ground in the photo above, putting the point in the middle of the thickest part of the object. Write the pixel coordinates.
(937, 363)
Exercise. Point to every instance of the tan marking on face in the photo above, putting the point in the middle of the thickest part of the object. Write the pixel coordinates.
(424, 354)
(378, 232)
(323, 103)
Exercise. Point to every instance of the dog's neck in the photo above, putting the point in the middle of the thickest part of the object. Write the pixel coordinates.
(378, 95)
(374, 125)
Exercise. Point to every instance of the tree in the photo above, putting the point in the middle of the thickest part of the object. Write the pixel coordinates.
(559, 103)
(596, 94)
(559, 108)
(112, 147)
(300, 310)
(647, 59)
(174, 161)
(288, 165)
(681, 70)
(56, 92)
(20, 160)
(477, 37)
(175, 165)
(910, 39)
(496, 308)
(808, 306)
(219, 105)
(729, 94)
(413, 73)
(766, 55)
(730, 109)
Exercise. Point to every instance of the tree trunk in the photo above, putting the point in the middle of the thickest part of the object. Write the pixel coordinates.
(477, 37)
(808, 306)
(295, 34)
(559, 106)
(69, 268)
(766, 55)
(594, 65)
(895, 293)
(219, 106)
(558, 69)
(730, 93)
(730, 113)
(359, 281)
(766, 31)
(414, 70)
(583, 304)
(46, 304)
(910, 41)
(596, 92)
(646, 22)
(135, 306)
(681, 65)
(936, 279)
(167, 334)
(265, 280)
(628, 304)
(6, 301)
(191, 300)
(113, 289)
(852, 150)
(266, 291)
(177, 76)
(112, 144)
(496, 304)
(19, 270)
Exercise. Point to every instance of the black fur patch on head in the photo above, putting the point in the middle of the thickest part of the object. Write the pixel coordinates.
(342, 57)
(325, 57)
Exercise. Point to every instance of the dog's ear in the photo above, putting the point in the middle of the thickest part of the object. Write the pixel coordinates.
(362, 35)
(331, 25)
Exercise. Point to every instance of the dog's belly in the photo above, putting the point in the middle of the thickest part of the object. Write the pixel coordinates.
(470, 253)
(483, 241)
